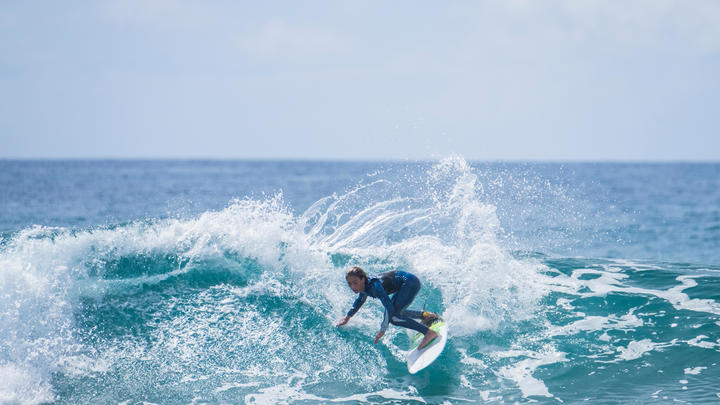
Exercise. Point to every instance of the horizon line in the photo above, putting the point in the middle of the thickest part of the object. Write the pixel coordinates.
(355, 160)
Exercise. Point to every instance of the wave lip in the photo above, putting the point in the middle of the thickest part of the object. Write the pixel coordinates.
(48, 274)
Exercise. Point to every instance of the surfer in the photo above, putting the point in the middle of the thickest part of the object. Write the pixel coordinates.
(404, 287)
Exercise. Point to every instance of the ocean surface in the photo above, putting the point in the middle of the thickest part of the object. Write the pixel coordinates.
(192, 282)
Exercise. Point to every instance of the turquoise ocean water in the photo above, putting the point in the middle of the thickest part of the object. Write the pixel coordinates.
(191, 282)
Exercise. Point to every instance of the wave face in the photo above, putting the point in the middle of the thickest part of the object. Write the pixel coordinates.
(549, 296)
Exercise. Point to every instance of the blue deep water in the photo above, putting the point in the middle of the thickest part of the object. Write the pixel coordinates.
(191, 282)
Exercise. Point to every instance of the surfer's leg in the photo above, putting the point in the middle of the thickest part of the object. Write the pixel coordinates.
(413, 286)
(401, 300)
(413, 314)
(404, 317)
(405, 322)
(406, 294)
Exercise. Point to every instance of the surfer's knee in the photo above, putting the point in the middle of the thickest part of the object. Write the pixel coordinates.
(396, 321)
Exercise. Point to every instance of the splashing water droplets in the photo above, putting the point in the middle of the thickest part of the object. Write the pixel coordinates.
(440, 229)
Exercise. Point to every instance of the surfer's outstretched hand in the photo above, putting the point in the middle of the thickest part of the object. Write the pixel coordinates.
(379, 336)
(342, 321)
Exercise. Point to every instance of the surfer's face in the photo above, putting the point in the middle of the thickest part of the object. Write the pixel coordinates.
(356, 284)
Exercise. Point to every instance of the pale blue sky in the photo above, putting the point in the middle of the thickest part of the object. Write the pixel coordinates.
(488, 80)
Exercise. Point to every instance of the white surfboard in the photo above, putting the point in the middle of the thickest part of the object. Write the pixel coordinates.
(419, 359)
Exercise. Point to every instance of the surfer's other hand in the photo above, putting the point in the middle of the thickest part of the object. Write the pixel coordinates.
(342, 321)
(379, 336)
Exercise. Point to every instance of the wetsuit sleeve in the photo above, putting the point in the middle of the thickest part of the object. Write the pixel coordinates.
(359, 301)
(380, 293)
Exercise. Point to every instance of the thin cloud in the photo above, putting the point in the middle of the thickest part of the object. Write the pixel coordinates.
(159, 13)
(640, 23)
(279, 38)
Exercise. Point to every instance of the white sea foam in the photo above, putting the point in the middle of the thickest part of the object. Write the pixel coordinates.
(605, 282)
(699, 341)
(522, 371)
(36, 306)
(24, 385)
(286, 394)
(636, 349)
(694, 370)
(627, 322)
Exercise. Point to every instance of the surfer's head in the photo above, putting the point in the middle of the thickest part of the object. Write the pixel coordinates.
(356, 278)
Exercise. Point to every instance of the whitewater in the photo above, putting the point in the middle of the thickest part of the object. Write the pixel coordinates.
(190, 282)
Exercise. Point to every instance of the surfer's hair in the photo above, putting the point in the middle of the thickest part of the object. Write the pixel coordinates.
(356, 272)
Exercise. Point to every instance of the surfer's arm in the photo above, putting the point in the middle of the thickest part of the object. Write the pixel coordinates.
(359, 301)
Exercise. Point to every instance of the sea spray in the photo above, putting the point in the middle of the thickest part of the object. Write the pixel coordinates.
(443, 231)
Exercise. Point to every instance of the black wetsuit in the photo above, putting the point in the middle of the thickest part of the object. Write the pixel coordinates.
(405, 287)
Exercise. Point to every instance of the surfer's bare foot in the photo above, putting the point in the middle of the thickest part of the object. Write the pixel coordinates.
(429, 336)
